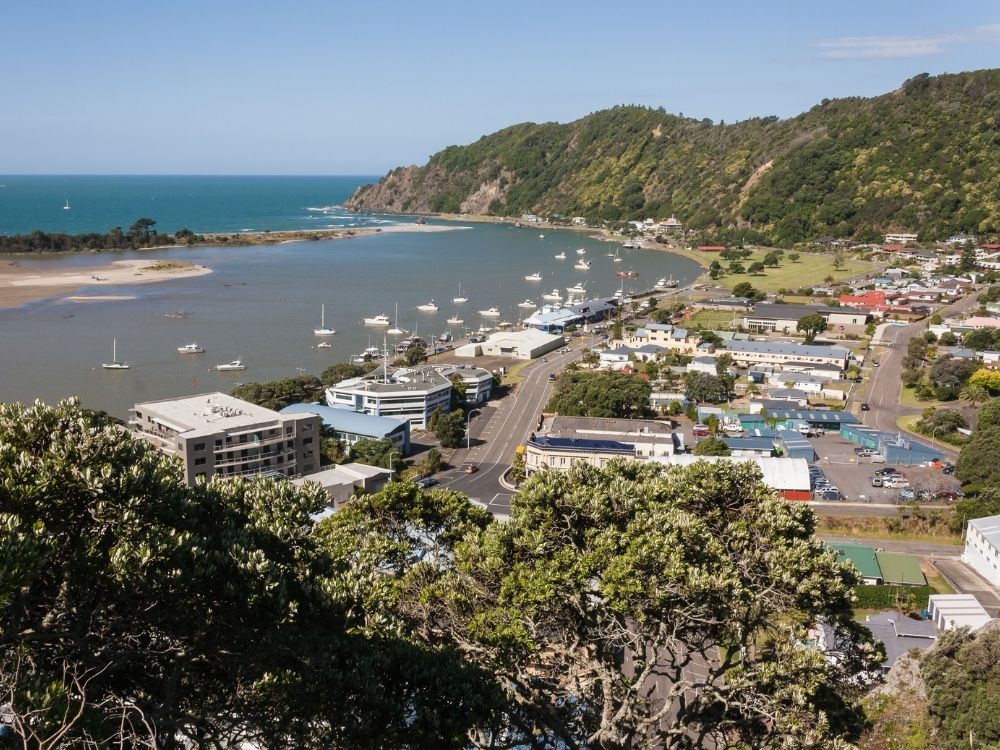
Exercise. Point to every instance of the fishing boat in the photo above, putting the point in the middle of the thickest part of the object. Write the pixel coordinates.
(533, 277)
(527, 303)
(191, 348)
(581, 251)
(454, 320)
(460, 299)
(553, 296)
(323, 330)
(560, 256)
(378, 320)
(236, 364)
(491, 313)
(576, 289)
(114, 364)
(582, 265)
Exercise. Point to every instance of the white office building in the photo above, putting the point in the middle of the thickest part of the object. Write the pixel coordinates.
(409, 393)
(215, 434)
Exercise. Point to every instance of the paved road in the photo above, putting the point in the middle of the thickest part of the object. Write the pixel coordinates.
(966, 580)
(500, 431)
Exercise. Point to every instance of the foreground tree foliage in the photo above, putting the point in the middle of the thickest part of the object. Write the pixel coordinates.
(138, 612)
(636, 606)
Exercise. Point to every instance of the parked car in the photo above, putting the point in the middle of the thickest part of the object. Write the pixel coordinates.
(907, 494)
(949, 470)
(865, 453)
(895, 482)
(864, 406)
(552, 376)
(700, 430)
(887, 470)
(829, 494)
(877, 480)
(948, 495)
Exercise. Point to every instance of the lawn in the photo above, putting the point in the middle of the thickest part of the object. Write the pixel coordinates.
(810, 270)
(907, 397)
(711, 319)
(513, 374)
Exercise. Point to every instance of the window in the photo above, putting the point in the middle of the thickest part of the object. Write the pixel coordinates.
(199, 461)
(199, 446)
(307, 441)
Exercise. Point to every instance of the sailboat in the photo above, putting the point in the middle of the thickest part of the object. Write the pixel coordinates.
(618, 259)
(460, 298)
(560, 256)
(323, 330)
(114, 364)
(396, 330)
(67, 206)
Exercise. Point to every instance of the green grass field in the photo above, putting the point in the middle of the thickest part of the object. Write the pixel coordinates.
(810, 270)
(907, 397)
(712, 319)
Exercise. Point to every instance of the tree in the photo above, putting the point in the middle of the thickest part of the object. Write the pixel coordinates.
(811, 324)
(743, 289)
(771, 260)
(948, 339)
(988, 379)
(702, 387)
(756, 269)
(711, 446)
(838, 261)
(736, 267)
(974, 395)
(794, 257)
(722, 364)
(136, 611)
(450, 429)
(377, 453)
(343, 371)
(458, 390)
(277, 394)
(952, 372)
(940, 421)
(968, 258)
(600, 394)
(672, 567)
(432, 462)
(977, 461)
(988, 415)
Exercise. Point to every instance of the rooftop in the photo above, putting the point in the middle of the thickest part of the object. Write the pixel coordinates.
(861, 555)
(989, 527)
(348, 420)
(778, 347)
(207, 413)
(779, 473)
(776, 311)
(576, 444)
(900, 569)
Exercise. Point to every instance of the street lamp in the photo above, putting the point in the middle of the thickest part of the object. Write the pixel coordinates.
(391, 454)
(468, 437)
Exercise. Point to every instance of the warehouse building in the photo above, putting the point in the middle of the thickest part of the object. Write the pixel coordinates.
(949, 611)
(527, 344)
(982, 548)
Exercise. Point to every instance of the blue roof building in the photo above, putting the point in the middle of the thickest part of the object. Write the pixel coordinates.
(351, 426)
(552, 320)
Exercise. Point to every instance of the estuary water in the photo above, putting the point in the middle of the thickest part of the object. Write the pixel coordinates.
(262, 303)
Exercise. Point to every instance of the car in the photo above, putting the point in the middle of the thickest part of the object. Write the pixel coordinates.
(895, 483)
(949, 470)
(907, 494)
(830, 493)
(875, 364)
(886, 470)
(426, 482)
(865, 453)
(700, 430)
(859, 379)
(865, 406)
(948, 495)
(552, 376)
(470, 468)
(876, 481)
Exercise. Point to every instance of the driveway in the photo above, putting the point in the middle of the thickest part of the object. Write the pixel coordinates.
(967, 581)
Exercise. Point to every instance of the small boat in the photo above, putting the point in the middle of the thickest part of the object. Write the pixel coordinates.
(460, 299)
(114, 364)
(553, 296)
(323, 345)
(178, 314)
(491, 313)
(323, 330)
(397, 331)
(526, 303)
(576, 289)
(671, 283)
(582, 265)
(236, 364)
(378, 320)
(581, 251)
(428, 307)
(617, 258)
(191, 348)
(560, 256)
(454, 320)
(541, 236)
(533, 277)
(67, 206)
(633, 244)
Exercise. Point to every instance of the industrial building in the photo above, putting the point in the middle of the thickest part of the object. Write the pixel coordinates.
(215, 434)
(892, 447)
(982, 548)
(769, 317)
(949, 611)
(529, 343)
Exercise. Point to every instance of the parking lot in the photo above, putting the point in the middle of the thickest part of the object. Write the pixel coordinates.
(852, 475)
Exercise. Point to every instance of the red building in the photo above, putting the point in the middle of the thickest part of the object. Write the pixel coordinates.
(710, 248)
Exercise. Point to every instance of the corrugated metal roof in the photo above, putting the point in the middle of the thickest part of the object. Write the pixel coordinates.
(900, 569)
(861, 555)
(346, 420)
(989, 527)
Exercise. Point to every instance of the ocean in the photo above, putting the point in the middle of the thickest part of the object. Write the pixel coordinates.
(262, 302)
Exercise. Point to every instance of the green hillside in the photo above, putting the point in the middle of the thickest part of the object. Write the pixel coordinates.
(923, 158)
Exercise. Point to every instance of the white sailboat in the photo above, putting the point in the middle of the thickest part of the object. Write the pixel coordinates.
(114, 364)
(67, 206)
(323, 330)
(460, 299)
(618, 259)
(396, 330)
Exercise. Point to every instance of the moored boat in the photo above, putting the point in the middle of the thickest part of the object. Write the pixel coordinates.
(191, 348)
(236, 364)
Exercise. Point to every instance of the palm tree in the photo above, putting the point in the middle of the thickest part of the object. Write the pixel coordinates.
(974, 395)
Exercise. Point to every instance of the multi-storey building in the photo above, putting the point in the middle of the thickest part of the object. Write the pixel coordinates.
(215, 434)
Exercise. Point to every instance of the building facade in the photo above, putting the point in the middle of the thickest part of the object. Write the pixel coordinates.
(215, 434)
(982, 548)
(749, 353)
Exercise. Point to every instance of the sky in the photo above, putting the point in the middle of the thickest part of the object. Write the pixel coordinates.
(300, 87)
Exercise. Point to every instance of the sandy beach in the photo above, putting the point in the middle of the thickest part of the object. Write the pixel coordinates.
(21, 284)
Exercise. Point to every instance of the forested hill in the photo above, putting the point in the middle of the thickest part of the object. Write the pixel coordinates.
(923, 158)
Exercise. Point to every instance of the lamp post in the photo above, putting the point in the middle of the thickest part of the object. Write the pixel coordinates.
(468, 437)
(391, 454)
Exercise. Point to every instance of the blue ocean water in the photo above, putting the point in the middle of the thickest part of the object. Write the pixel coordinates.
(199, 203)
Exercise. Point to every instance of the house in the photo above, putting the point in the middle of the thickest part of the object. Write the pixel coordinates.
(343, 481)
(561, 453)
(665, 335)
(743, 447)
(702, 364)
(579, 221)
(982, 548)
(349, 426)
(950, 611)
(900, 634)
(650, 438)
(215, 434)
(749, 353)
(899, 569)
(769, 317)
(863, 301)
(902, 238)
(862, 557)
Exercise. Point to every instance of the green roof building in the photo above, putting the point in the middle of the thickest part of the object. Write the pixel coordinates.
(899, 569)
(863, 557)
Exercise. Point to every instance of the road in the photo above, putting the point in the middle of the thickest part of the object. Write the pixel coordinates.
(964, 579)
(498, 431)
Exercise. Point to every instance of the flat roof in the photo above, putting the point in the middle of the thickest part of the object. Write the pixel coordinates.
(778, 347)
(603, 446)
(749, 443)
(778, 311)
(827, 417)
(989, 527)
(348, 420)
(900, 569)
(207, 413)
(560, 424)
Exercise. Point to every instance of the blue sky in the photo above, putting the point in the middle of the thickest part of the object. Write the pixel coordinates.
(220, 87)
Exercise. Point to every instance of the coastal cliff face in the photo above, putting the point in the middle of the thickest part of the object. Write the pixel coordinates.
(924, 158)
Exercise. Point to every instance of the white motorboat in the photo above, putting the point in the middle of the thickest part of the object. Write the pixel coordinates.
(454, 320)
(428, 307)
(582, 265)
(378, 320)
(533, 277)
(560, 256)
(576, 289)
(632, 244)
(553, 296)
(460, 299)
(541, 236)
(323, 330)
(191, 348)
(236, 364)
(114, 364)
(527, 303)
(581, 251)
(323, 345)
(491, 313)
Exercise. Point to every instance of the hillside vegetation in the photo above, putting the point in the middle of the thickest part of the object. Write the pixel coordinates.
(924, 158)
